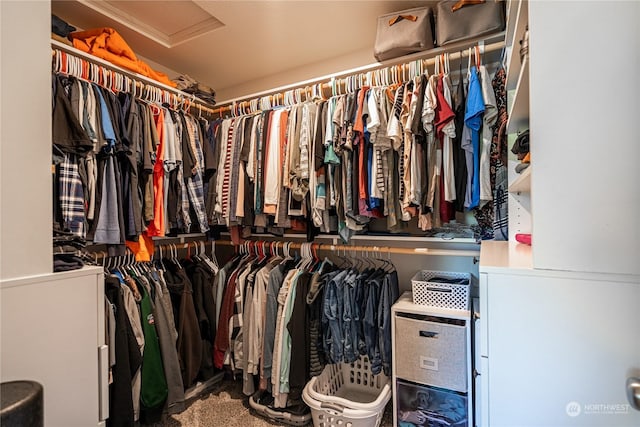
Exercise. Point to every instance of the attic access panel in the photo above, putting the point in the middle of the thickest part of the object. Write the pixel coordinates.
(168, 23)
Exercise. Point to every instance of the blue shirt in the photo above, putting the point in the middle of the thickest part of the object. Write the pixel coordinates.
(473, 120)
(107, 127)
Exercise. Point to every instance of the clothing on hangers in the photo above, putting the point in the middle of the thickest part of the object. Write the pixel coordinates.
(283, 319)
(169, 308)
(126, 157)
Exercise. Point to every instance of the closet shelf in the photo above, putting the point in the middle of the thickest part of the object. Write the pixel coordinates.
(513, 38)
(511, 16)
(497, 256)
(522, 184)
(519, 110)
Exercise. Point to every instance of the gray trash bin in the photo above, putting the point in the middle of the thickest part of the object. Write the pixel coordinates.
(22, 404)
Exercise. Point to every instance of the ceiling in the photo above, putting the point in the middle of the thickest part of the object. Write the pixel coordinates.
(240, 47)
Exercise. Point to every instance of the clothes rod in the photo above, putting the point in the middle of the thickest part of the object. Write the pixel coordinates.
(70, 50)
(347, 250)
(364, 250)
(455, 50)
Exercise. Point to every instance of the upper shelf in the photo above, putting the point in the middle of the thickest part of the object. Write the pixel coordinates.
(519, 109)
(515, 32)
(495, 256)
(522, 184)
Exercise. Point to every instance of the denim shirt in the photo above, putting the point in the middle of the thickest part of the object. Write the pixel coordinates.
(332, 310)
(350, 318)
(388, 296)
(370, 324)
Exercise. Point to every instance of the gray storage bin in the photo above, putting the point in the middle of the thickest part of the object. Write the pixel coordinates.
(431, 352)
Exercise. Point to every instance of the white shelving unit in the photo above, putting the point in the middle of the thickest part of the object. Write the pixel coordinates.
(520, 214)
(558, 320)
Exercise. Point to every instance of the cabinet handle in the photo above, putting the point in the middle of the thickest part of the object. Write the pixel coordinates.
(103, 379)
(633, 392)
(428, 334)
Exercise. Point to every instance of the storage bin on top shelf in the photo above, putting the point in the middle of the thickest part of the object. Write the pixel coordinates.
(442, 289)
(347, 394)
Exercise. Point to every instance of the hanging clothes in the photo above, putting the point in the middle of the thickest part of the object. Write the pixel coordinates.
(283, 319)
(169, 325)
(153, 387)
(473, 121)
(459, 157)
(488, 121)
(119, 165)
(445, 128)
(127, 360)
(500, 186)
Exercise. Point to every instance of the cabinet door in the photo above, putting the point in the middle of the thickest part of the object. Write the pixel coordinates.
(585, 189)
(52, 327)
(560, 351)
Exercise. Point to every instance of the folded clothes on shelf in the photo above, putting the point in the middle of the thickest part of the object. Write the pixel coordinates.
(187, 84)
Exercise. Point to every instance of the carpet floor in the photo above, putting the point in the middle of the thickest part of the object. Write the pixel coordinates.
(225, 406)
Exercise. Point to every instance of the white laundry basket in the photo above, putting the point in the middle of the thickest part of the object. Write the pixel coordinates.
(347, 395)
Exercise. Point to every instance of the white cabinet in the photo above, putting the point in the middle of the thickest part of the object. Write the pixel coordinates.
(53, 333)
(558, 320)
(25, 139)
(558, 346)
(517, 85)
(584, 109)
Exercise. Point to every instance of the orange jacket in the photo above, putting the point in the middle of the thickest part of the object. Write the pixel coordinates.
(107, 44)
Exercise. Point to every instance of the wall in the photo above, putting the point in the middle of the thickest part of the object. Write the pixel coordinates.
(25, 139)
(584, 114)
(310, 71)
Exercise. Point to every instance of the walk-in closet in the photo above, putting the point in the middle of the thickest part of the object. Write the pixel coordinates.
(285, 213)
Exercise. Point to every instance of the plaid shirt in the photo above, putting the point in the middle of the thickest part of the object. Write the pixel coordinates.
(184, 220)
(195, 186)
(72, 197)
